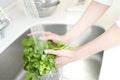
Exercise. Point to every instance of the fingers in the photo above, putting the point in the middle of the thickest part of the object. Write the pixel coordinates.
(51, 36)
(51, 52)
(30, 34)
(48, 36)
(61, 61)
(46, 33)
(33, 33)
(63, 56)
(64, 53)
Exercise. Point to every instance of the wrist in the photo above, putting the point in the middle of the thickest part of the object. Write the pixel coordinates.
(85, 52)
(65, 39)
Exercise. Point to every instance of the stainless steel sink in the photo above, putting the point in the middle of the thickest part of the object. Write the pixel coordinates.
(11, 59)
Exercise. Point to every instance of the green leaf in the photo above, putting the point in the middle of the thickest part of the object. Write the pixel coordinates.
(35, 62)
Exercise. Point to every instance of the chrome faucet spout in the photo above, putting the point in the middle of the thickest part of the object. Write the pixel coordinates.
(81, 2)
(4, 21)
(3, 24)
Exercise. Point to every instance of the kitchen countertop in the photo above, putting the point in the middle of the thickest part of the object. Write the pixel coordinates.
(20, 23)
(110, 69)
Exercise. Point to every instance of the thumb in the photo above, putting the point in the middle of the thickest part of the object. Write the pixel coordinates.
(64, 53)
(49, 51)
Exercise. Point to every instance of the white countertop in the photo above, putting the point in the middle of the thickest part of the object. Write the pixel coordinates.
(110, 69)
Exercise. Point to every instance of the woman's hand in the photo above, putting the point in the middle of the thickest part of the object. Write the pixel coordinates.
(64, 56)
(55, 37)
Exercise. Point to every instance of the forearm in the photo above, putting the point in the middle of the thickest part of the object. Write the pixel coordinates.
(89, 17)
(106, 40)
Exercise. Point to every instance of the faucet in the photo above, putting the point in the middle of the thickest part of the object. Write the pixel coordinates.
(3, 24)
(1, 32)
(4, 21)
(81, 2)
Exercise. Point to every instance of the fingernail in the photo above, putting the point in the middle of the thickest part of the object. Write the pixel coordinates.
(28, 34)
(40, 38)
(46, 51)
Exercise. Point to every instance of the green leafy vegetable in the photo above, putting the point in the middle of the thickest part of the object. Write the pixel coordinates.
(35, 62)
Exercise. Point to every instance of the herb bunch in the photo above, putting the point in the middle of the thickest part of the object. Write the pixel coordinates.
(36, 63)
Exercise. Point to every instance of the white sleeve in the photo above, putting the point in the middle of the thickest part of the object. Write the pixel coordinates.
(118, 23)
(106, 2)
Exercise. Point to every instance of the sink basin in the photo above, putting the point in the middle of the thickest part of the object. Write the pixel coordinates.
(11, 59)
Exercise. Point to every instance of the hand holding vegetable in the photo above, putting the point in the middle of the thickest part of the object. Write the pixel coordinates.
(53, 37)
(64, 56)
(35, 62)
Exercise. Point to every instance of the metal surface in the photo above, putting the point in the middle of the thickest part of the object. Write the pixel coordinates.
(46, 4)
(40, 8)
(11, 59)
(47, 8)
